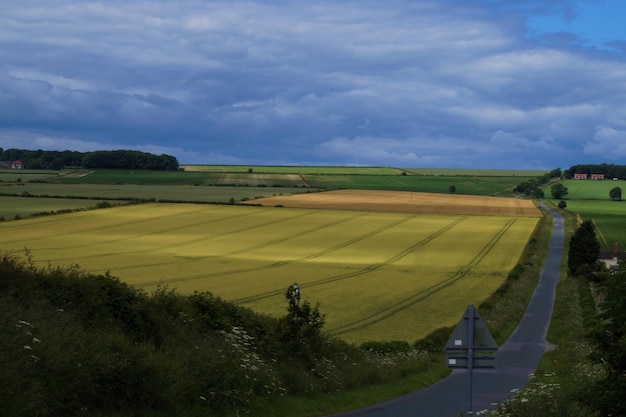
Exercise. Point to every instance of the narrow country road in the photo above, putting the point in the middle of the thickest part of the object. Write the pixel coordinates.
(516, 359)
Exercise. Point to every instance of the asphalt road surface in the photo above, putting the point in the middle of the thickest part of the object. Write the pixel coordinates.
(516, 359)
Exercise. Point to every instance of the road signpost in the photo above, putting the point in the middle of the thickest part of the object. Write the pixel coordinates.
(470, 346)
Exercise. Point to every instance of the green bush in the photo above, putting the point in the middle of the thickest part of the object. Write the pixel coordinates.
(76, 343)
(386, 347)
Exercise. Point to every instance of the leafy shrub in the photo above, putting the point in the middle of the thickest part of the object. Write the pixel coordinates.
(386, 347)
(76, 343)
(435, 341)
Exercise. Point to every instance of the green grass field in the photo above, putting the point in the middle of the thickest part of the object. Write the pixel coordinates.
(591, 200)
(23, 207)
(433, 184)
(189, 193)
(378, 276)
(348, 170)
(303, 170)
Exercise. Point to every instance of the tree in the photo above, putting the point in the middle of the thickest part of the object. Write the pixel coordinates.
(615, 194)
(556, 173)
(452, 189)
(558, 190)
(610, 337)
(562, 204)
(584, 248)
(300, 330)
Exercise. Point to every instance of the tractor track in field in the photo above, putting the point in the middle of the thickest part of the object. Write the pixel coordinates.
(188, 226)
(285, 262)
(362, 271)
(108, 227)
(425, 293)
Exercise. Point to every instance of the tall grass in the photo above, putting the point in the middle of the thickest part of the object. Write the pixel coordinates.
(75, 343)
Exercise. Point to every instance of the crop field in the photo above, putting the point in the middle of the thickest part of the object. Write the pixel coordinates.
(482, 182)
(377, 275)
(311, 170)
(181, 193)
(609, 217)
(433, 184)
(591, 200)
(355, 170)
(12, 207)
(398, 201)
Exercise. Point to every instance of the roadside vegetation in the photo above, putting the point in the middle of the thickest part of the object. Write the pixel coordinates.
(584, 375)
(75, 343)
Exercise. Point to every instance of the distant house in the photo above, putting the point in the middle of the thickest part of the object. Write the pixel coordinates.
(597, 176)
(580, 176)
(11, 164)
(612, 258)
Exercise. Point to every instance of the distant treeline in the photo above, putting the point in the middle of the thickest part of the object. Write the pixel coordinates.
(610, 171)
(118, 159)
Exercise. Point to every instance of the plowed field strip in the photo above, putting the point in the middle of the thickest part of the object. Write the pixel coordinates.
(365, 270)
(425, 293)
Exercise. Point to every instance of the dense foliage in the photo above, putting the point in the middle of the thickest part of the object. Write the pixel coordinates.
(75, 343)
(610, 338)
(558, 190)
(584, 248)
(610, 171)
(118, 159)
(533, 186)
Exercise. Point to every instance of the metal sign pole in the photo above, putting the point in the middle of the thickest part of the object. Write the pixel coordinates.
(470, 335)
(470, 357)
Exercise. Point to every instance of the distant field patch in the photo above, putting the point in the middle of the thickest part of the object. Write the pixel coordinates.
(591, 200)
(592, 190)
(23, 207)
(315, 170)
(409, 202)
(257, 180)
(377, 275)
(184, 193)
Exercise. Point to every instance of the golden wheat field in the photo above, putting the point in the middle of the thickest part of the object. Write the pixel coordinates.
(405, 201)
(378, 275)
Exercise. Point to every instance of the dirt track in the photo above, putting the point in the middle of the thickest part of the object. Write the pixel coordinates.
(406, 202)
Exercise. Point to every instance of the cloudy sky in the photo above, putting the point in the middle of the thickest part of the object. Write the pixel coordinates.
(518, 84)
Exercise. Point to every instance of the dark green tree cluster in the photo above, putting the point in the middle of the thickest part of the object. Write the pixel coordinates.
(532, 187)
(610, 337)
(584, 249)
(118, 159)
(610, 171)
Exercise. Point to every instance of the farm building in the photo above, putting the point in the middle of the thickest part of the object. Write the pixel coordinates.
(11, 164)
(612, 258)
(581, 176)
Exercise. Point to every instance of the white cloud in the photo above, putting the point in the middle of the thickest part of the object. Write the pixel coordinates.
(608, 144)
(412, 82)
